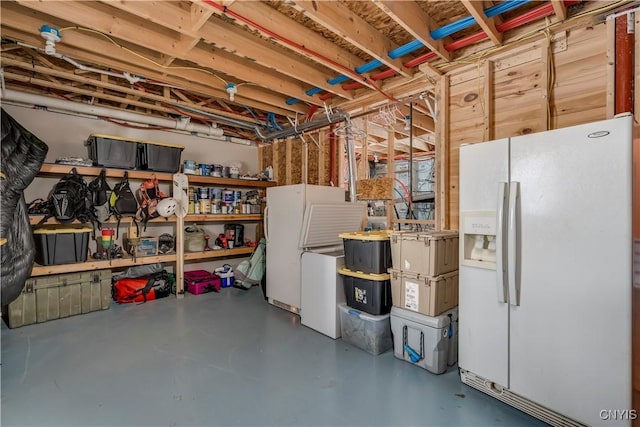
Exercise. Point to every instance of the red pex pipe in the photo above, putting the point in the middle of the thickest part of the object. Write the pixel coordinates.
(624, 67)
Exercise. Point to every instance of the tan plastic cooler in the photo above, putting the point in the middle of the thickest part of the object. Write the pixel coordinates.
(427, 254)
(423, 294)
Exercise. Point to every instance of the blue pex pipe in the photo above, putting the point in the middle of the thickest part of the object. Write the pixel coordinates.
(292, 101)
(503, 7)
(405, 49)
(468, 21)
(313, 91)
(336, 80)
(369, 66)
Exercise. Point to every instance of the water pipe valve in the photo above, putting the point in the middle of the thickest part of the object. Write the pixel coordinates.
(51, 35)
(232, 89)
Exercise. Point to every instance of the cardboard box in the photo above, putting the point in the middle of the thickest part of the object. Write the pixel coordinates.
(146, 246)
(424, 294)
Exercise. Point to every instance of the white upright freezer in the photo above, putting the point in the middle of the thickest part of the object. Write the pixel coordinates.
(299, 218)
(545, 271)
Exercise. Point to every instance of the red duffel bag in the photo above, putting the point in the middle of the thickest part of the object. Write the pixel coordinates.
(142, 289)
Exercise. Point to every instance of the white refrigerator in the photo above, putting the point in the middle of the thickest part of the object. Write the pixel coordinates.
(545, 272)
(283, 226)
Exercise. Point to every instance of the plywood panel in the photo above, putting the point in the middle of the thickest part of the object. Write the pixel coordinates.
(267, 156)
(296, 161)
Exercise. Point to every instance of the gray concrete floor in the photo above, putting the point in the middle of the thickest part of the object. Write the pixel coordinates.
(220, 359)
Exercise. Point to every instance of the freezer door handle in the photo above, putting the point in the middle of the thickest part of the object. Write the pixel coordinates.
(500, 235)
(265, 222)
(513, 250)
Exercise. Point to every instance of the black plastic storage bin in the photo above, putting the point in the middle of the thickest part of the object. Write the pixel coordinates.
(61, 245)
(112, 151)
(367, 251)
(159, 157)
(370, 293)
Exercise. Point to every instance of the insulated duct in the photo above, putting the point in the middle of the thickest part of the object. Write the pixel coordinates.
(77, 107)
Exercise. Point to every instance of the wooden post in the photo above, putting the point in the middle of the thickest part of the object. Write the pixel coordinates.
(442, 154)
(391, 164)
(488, 101)
(545, 106)
(364, 158)
(611, 67)
(179, 257)
(276, 162)
(342, 160)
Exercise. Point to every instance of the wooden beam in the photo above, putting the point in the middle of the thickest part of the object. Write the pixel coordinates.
(365, 152)
(391, 167)
(416, 22)
(488, 25)
(488, 101)
(269, 19)
(560, 9)
(442, 156)
(545, 106)
(276, 163)
(339, 19)
(233, 39)
(104, 53)
(93, 15)
(611, 67)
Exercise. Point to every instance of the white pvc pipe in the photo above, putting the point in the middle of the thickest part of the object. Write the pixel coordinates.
(76, 107)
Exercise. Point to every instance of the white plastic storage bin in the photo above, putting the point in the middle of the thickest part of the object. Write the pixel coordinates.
(365, 331)
(426, 295)
(427, 254)
(421, 340)
(452, 355)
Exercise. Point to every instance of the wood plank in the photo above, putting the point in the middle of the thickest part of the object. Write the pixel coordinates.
(416, 22)
(442, 155)
(546, 62)
(488, 25)
(560, 9)
(56, 170)
(340, 20)
(375, 189)
(223, 218)
(391, 167)
(94, 15)
(46, 270)
(332, 57)
(611, 67)
(322, 167)
(489, 104)
(220, 253)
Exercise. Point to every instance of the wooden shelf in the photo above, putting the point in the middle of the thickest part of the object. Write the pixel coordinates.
(57, 170)
(44, 270)
(35, 219)
(221, 253)
(223, 218)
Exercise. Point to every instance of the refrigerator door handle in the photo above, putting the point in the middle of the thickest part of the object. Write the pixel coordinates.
(265, 223)
(512, 245)
(500, 235)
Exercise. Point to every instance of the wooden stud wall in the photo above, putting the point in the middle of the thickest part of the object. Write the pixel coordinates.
(505, 94)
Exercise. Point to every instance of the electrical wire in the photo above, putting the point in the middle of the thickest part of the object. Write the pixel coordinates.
(90, 30)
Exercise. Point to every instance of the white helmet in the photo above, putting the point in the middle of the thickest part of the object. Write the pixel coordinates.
(167, 207)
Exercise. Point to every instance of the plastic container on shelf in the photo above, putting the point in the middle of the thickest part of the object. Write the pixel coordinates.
(367, 251)
(61, 245)
(160, 157)
(112, 151)
(370, 293)
(368, 332)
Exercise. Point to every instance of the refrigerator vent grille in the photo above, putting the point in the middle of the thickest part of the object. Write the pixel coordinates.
(518, 402)
(323, 223)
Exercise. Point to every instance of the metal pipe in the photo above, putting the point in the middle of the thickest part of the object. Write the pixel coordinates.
(351, 158)
(333, 156)
(77, 107)
(624, 64)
